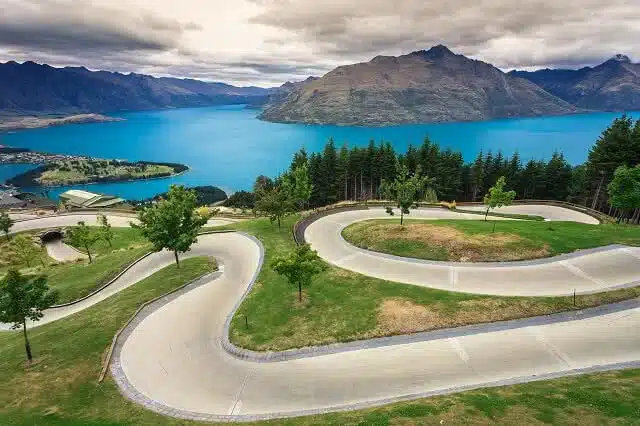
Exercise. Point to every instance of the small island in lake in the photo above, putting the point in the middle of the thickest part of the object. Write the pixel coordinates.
(89, 170)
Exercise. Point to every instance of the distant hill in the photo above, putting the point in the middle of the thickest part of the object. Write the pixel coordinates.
(424, 86)
(611, 86)
(278, 94)
(34, 89)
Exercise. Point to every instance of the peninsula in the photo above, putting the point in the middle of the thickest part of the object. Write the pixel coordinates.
(58, 169)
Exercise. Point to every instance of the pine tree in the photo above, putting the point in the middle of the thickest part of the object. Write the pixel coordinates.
(557, 178)
(411, 159)
(513, 170)
(329, 168)
(315, 172)
(342, 173)
(489, 179)
(617, 145)
(477, 176)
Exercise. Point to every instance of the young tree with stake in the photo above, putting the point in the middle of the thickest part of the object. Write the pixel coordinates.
(299, 267)
(498, 197)
(5, 223)
(83, 236)
(23, 298)
(172, 224)
(404, 190)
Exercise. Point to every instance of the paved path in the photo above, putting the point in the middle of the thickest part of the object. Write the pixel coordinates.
(61, 252)
(549, 212)
(172, 360)
(587, 271)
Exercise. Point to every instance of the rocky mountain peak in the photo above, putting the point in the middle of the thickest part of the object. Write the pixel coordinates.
(439, 51)
(621, 58)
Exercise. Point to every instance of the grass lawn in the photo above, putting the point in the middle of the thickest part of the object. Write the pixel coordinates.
(77, 279)
(473, 240)
(61, 388)
(341, 305)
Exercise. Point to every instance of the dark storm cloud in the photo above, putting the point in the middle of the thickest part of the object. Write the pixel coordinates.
(505, 32)
(65, 26)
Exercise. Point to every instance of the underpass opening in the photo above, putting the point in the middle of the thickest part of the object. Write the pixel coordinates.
(51, 236)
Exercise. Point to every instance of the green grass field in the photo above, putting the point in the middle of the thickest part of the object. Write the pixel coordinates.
(474, 240)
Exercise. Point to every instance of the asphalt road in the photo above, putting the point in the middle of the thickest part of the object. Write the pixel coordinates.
(173, 362)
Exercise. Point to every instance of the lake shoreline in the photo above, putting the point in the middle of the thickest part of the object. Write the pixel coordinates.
(228, 146)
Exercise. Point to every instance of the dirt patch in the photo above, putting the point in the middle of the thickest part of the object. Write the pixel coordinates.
(398, 316)
(459, 246)
(401, 316)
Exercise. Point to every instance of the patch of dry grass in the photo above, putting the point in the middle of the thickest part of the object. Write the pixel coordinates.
(442, 242)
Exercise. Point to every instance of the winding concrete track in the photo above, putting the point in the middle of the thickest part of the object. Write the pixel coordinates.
(587, 271)
(174, 358)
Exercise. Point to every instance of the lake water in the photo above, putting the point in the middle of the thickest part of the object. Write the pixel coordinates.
(228, 146)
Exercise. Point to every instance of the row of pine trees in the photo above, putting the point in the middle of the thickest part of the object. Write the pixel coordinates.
(356, 173)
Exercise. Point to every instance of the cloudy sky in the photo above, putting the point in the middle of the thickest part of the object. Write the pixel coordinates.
(266, 42)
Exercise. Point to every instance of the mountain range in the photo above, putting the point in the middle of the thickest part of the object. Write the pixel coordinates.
(34, 89)
(611, 86)
(434, 85)
(438, 85)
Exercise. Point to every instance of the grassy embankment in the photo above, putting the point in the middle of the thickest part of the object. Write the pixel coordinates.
(77, 279)
(341, 305)
(471, 240)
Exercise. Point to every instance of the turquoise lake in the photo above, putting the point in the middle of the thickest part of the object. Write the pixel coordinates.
(228, 146)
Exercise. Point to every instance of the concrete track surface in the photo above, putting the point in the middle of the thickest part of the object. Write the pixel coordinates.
(586, 271)
(172, 360)
(61, 252)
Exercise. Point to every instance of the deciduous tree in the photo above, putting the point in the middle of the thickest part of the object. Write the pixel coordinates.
(276, 204)
(84, 236)
(404, 190)
(172, 224)
(497, 196)
(299, 267)
(23, 298)
(624, 189)
(5, 224)
(106, 233)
